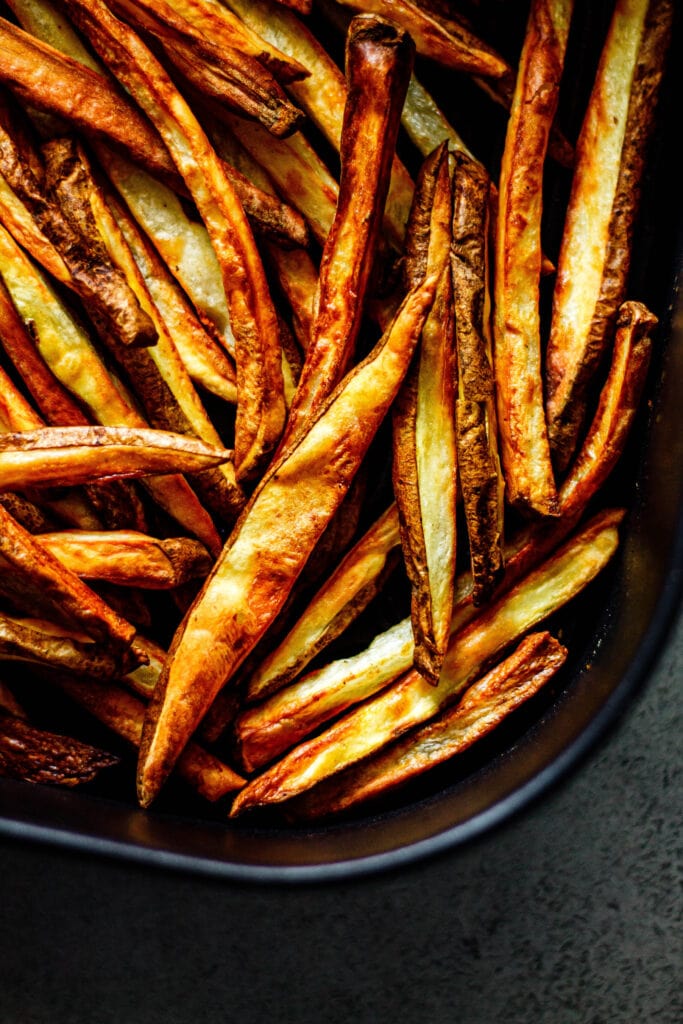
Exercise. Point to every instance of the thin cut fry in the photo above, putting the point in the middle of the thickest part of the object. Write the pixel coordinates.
(595, 255)
(485, 704)
(379, 60)
(270, 545)
(412, 700)
(521, 418)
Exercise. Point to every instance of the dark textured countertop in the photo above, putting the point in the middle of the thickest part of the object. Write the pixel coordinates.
(571, 914)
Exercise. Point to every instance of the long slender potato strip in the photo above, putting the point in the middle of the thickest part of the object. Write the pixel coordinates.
(478, 463)
(485, 704)
(260, 403)
(412, 700)
(424, 441)
(338, 602)
(130, 558)
(595, 255)
(521, 416)
(70, 456)
(270, 545)
(378, 64)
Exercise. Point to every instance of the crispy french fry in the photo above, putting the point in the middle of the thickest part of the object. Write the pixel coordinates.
(226, 74)
(129, 558)
(123, 713)
(480, 474)
(424, 441)
(595, 255)
(521, 417)
(346, 593)
(36, 755)
(69, 456)
(260, 404)
(412, 700)
(378, 64)
(485, 704)
(270, 545)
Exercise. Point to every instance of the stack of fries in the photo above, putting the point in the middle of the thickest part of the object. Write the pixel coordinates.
(274, 351)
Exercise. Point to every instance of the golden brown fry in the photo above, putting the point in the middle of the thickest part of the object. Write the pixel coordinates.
(478, 464)
(412, 700)
(521, 417)
(379, 60)
(485, 704)
(260, 405)
(129, 558)
(424, 442)
(36, 755)
(70, 456)
(270, 545)
(124, 714)
(342, 597)
(595, 255)
(83, 97)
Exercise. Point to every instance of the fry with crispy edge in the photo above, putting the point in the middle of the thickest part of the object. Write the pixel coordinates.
(271, 543)
(424, 441)
(269, 728)
(484, 705)
(379, 61)
(453, 46)
(345, 594)
(412, 701)
(129, 558)
(70, 456)
(480, 475)
(124, 714)
(224, 73)
(323, 93)
(37, 755)
(260, 398)
(40, 581)
(595, 255)
(517, 356)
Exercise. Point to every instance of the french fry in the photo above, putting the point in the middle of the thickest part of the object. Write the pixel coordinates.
(226, 74)
(270, 545)
(454, 46)
(412, 700)
(70, 456)
(378, 64)
(485, 704)
(129, 558)
(480, 474)
(521, 418)
(123, 713)
(424, 441)
(595, 255)
(260, 404)
(346, 593)
(36, 755)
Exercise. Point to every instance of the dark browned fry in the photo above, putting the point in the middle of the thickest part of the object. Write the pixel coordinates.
(478, 464)
(485, 704)
(271, 543)
(521, 416)
(379, 60)
(36, 755)
(260, 398)
(595, 255)
(424, 442)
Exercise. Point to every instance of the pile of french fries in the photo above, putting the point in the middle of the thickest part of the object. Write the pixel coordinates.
(275, 363)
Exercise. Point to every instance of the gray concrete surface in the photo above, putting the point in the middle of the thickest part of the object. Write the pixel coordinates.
(573, 914)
